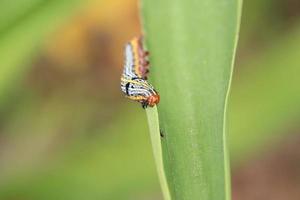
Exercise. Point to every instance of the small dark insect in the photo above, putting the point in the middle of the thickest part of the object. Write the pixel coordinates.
(134, 78)
(161, 133)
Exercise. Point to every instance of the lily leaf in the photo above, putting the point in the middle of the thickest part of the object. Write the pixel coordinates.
(192, 46)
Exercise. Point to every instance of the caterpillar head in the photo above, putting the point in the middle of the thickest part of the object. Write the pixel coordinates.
(153, 100)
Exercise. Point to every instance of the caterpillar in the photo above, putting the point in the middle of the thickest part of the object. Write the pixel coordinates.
(134, 82)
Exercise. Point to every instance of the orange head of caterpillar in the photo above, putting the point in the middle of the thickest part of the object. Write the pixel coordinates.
(153, 100)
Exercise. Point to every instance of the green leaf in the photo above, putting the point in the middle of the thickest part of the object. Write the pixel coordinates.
(265, 97)
(117, 158)
(155, 135)
(23, 25)
(192, 46)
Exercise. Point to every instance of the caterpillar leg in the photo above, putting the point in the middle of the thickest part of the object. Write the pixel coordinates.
(145, 53)
(143, 58)
(144, 104)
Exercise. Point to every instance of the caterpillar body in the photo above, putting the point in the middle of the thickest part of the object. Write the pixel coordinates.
(134, 82)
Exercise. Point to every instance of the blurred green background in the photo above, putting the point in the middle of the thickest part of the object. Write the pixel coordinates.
(66, 132)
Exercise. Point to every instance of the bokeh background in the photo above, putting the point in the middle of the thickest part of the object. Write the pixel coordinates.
(66, 132)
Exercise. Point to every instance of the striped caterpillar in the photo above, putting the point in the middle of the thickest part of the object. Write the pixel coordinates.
(134, 78)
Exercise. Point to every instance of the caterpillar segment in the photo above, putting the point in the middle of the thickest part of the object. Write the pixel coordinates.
(134, 82)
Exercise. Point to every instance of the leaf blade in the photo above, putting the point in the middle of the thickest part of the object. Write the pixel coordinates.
(191, 69)
(152, 116)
